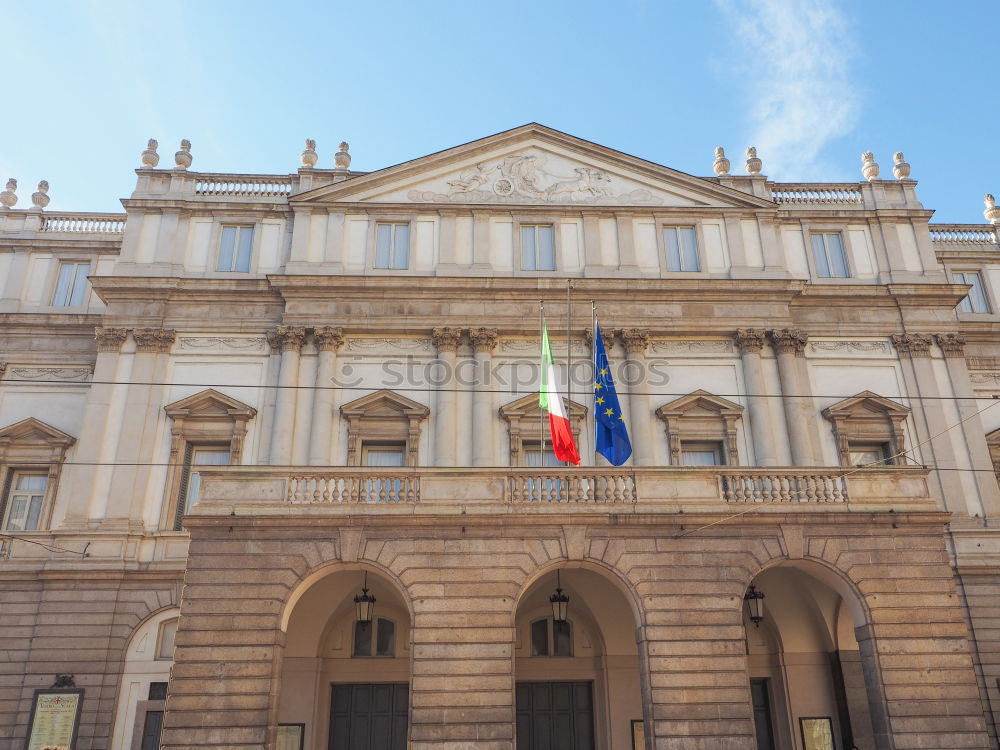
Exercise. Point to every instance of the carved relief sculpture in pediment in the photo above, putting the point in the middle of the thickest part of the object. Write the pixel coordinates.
(383, 416)
(868, 419)
(701, 417)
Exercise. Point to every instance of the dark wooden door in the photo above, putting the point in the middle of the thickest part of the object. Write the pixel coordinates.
(369, 716)
(555, 716)
(151, 728)
(761, 696)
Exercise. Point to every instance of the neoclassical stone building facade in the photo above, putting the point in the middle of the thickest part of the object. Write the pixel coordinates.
(250, 401)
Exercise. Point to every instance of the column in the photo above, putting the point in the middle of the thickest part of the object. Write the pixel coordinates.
(289, 339)
(640, 429)
(953, 347)
(484, 341)
(77, 483)
(328, 340)
(446, 341)
(788, 343)
(136, 439)
(750, 341)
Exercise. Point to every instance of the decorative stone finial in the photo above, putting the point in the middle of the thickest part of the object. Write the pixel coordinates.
(901, 170)
(309, 156)
(41, 198)
(183, 157)
(869, 168)
(992, 213)
(754, 165)
(8, 198)
(342, 158)
(721, 163)
(149, 157)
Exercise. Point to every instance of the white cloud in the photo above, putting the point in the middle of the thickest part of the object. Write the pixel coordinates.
(796, 58)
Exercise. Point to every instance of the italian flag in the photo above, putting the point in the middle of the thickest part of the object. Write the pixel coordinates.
(550, 401)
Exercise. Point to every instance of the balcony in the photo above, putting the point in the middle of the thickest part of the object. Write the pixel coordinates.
(263, 490)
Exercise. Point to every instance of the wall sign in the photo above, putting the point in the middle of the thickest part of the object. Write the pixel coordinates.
(55, 719)
(817, 732)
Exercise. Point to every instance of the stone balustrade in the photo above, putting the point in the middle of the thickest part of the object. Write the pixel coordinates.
(269, 491)
(242, 185)
(810, 195)
(79, 223)
(970, 236)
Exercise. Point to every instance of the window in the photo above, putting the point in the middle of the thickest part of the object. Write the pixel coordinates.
(392, 246)
(71, 285)
(200, 455)
(165, 643)
(868, 454)
(158, 691)
(534, 457)
(235, 248)
(538, 247)
(24, 503)
(828, 254)
(384, 632)
(975, 300)
(682, 249)
(382, 425)
(868, 428)
(386, 454)
(701, 454)
(526, 431)
(550, 638)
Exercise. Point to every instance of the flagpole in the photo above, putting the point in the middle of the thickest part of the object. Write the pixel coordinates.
(541, 360)
(569, 349)
(593, 347)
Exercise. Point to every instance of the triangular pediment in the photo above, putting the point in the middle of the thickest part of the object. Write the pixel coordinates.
(532, 165)
(210, 404)
(526, 408)
(866, 404)
(700, 403)
(35, 431)
(384, 404)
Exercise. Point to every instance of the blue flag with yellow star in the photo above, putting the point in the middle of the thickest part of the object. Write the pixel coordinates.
(612, 438)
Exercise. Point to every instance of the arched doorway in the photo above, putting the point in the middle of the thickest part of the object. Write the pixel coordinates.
(345, 681)
(577, 681)
(807, 677)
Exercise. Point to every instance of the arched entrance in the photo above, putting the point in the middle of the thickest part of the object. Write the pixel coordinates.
(807, 676)
(344, 681)
(577, 682)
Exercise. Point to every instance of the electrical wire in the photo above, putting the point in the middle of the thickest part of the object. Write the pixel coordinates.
(43, 545)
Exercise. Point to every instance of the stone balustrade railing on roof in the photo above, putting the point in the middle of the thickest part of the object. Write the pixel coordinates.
(372, 490)
(243, 185)
(846, 194)
(83, 222)
(972, 236)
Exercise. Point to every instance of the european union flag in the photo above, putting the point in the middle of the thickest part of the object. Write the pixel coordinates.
(612, 438)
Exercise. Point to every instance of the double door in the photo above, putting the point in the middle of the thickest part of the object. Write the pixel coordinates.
(369, 716)
(555, 716)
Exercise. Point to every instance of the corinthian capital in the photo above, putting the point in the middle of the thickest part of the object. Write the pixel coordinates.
(750, 340)
(914, 344)
(952, 344)
(607, 336)
(789, 340)
(635, 340)
(446, 339)
(328, 338)
(286, 338)
(154, 339)
(483, 339)
(110, 339)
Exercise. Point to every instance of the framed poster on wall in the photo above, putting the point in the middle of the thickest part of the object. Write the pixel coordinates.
(638, 735)
(54, 719)
(290, 736)
(817, 732)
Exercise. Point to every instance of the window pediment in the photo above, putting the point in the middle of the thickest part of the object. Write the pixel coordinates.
(33, 439)
(867, 419)
(701, 416)
(523, 419)
(383, 416)
(210, 405)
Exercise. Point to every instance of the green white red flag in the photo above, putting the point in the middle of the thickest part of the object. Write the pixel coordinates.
(549, 400)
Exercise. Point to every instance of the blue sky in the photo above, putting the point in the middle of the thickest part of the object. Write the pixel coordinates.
(811, 83)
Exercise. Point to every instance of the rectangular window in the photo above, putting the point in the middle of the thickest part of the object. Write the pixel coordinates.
(701, 454)
(682, 249)
(24, 502)
(533, 456)
(214, 455)
(389, 454)
(538, 247)
(71, 285)
(867, 454)
(234, 249)
(392, 246)
(828, 254)
(975, 300)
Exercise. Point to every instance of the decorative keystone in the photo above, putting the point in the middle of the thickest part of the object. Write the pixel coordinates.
(753, 165)
(309, 157)
(446, 339)
(183, 157)
(750, 340)
(914, 344)
(787, 340)
(149, 157)
(869, 167)
(342, 159)
(721, 163)
(8, 198)
(900, 170)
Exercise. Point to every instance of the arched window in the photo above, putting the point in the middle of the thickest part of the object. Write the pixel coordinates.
(165, 639)
(551, 638)
(374, 638)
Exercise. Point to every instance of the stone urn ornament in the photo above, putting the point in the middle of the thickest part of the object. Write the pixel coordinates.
(992, 213)
(343, 157)
(721, 163)
(8, 198)
(754, 165)
(900, 170)
(183, 157)
(40, 199)
(869, 167)
(149, 157)
(309, 157)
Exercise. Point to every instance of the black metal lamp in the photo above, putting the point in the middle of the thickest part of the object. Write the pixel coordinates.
(365, 602)
(559, 602)
(755, 603)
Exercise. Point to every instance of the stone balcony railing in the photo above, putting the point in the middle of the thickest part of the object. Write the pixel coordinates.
(110, 226)
(964, 236)
(279, 491)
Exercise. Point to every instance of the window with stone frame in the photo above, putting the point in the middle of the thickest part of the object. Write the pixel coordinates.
(208, 429)
(527, 426)
(31, 457)
(551, 638)
(392, 245)
(701, 430)
(380, 426)
(377, 637)
(869, 430)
